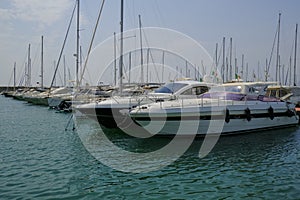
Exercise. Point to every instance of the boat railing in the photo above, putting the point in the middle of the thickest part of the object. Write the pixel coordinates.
(220, 101)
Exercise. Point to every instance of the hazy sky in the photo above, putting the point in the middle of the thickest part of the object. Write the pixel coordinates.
(250, 23)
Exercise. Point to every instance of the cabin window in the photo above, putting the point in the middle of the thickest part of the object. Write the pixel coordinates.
(170, 88)
(188, 92)
(282, 93)
(196, 90)
(273, 93)
(201, 90)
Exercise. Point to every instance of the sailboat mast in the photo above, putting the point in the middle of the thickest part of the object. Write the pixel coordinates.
(42, 63)
(277, 54)
(163, 66)
(242, 73)
(115, 59)
(230, 59)
(29, 68)
(223, 64)
(147, 75)
(15, 76)
(121, 49)
(295, 81)
(65, 78)
(290, 71)
(129, 74)
(216, 54)
(77, 43)
(141, 42)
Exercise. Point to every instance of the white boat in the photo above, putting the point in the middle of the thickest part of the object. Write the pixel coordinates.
(216, 112)
(38, 98)
(289, 93)
(113, 112)
(58, 95)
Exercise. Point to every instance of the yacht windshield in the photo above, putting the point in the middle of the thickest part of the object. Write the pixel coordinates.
(170, 88)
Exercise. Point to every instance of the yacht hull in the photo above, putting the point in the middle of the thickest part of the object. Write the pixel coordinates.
(230, 119)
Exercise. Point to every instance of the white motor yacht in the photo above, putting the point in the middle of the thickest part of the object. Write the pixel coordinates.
(113, 112)
(222, 110)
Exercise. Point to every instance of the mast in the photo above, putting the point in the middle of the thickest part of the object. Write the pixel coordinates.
(216, 54)
(147, 75)
(42, 63)
(227, 69)
(141, 42)
(77, 43)
(186, 69)
(235, 68)
(129, 75)
(54, 65)
(15, 75)
(65, 79)
(115, 59)
(277, 54)
(163, 66)
(290, 71)
(80, 63)
(242, 73)
(266, 74)
(121, 49)
(230, 59)
(295, 67)
(223, 64)
(246, 72)
(28, 68)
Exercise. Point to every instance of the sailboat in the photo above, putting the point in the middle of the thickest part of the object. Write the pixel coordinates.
(113, 112)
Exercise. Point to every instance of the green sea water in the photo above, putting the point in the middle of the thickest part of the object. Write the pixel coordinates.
(40, 160)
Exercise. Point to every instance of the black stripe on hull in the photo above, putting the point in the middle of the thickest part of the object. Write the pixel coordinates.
(210, 117)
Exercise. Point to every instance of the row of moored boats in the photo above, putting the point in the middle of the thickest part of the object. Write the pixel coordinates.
(179, 107)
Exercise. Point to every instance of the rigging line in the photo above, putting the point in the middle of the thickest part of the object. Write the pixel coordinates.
(218, 60)
(154, 63)
(59, 78)
(91, 43)
(35, 59)
(21, 72)
(269, 64)
(60, 55)
(286, 76)
(151, 55)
